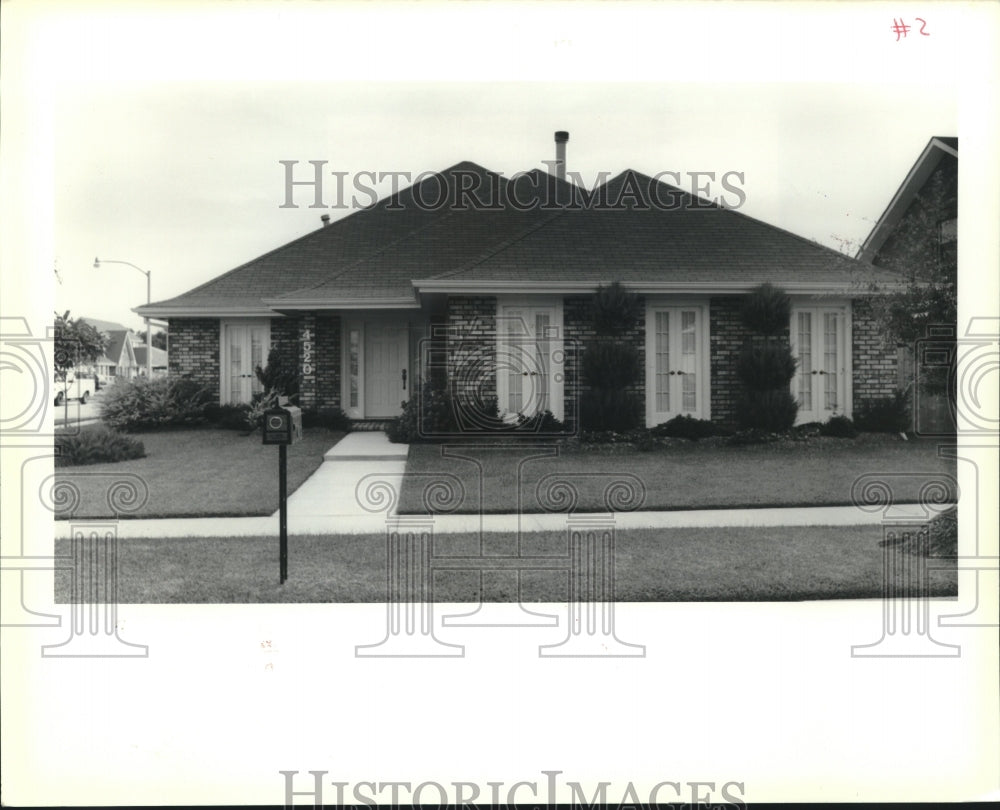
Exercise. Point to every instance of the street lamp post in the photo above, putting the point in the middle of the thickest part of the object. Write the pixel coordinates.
(149, 337)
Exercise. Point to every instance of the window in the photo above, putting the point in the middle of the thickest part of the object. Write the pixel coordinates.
(354, 363)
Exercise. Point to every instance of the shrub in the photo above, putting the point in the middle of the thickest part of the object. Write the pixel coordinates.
(753, 436)
(767, 365)
(329, 418)
(941, 539)
(603, 409)
(427, 412)
(687, 427)
(766, 310)
(615, 309)
(610, 365)
(437, 414)
(772, 411)
(229, 417)
(884, 415)
(943, 534)
(96, 445)
(840, 427)
(544, 422)
(278, 377)
(142, 403)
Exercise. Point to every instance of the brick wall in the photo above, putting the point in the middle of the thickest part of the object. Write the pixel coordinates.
(285, 337)
(471, 347)
(875, 365)
(327, 361)
(194, 351)
(323, 389)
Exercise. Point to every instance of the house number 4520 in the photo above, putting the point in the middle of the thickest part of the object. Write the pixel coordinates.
(307, 353)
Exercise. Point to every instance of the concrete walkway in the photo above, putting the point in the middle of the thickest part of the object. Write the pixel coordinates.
(355, 491)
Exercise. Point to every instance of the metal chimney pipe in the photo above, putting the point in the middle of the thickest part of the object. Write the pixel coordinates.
(561, 139)
(325, 219)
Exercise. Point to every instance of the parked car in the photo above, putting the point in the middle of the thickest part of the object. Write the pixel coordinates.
(74, 387)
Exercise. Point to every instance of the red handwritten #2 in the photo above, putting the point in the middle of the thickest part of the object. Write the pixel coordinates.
(900, 28)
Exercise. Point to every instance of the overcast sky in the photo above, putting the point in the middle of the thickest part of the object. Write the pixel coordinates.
(184, 180)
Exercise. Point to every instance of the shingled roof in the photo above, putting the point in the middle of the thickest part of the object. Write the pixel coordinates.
(532, 232)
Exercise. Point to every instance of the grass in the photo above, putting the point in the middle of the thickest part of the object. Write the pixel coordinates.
(683, 475)
(652, 565)
(200, 472)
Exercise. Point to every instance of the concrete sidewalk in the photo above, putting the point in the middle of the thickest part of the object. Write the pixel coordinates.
(355, 491)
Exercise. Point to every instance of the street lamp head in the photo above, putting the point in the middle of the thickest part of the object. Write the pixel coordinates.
(97, 262)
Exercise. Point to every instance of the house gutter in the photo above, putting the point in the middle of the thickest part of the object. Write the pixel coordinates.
(642, 287)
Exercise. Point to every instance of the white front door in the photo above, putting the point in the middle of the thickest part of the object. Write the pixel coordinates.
(385, 368)
(245, 346)
(530, 358)
(818, 343)
(675, 363)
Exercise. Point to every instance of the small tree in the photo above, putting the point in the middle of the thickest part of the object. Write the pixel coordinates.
(278, 377)
(928, 263)
(74, 343)
(767, 368)
(611, 366)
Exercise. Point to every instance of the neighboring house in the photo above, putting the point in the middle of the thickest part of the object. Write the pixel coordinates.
(497, 296)
(159, 360)
(119, 358)
(917, 235)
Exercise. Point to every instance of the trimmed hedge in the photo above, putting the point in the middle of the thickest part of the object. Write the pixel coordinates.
(772, 411)
(765, 366)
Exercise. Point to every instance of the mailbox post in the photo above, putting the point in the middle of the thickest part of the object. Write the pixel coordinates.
(282, 426)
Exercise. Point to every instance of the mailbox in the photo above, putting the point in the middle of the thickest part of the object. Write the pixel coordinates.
(282, 425)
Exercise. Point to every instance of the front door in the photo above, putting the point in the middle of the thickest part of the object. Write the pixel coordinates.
(676, 352)
(244, 348)
(386, 384)
(817, 337)
(529, 361)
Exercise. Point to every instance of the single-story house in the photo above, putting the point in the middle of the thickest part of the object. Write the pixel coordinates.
(118, 360)
(497, 275)
(917, 234)
(159, 360)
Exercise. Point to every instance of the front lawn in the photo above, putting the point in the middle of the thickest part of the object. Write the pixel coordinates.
(684, 475)
(652, 565)
(201, 472)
